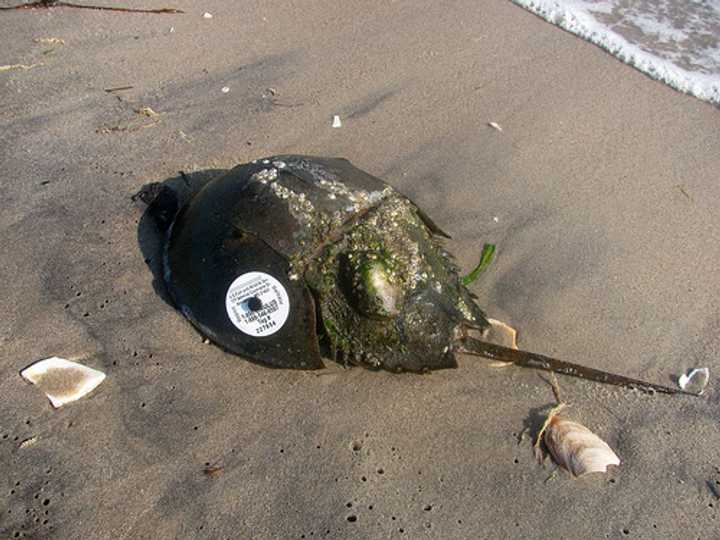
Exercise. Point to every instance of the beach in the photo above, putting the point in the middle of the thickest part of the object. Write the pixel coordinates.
(599, 190)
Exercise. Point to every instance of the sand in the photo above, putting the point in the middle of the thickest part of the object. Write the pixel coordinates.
(600, 192)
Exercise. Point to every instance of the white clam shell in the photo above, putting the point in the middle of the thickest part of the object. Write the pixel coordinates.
(576, 448)
(61, 380)
(695, 380)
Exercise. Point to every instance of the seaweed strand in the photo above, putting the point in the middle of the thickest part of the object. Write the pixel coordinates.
(486, 257)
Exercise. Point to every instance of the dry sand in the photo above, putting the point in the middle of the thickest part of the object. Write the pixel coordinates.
(605, 188)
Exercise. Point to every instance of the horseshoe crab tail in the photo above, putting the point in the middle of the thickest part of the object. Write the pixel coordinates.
(538, 361)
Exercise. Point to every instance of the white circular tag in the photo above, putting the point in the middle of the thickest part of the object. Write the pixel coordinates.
(257, 304)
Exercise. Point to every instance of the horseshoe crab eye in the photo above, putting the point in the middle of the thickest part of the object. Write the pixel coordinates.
(374, 287)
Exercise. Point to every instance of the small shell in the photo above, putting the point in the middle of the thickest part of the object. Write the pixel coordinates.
(574, 447)
(28, 442)
(147, 111)
(695, 380)
(62, 381)
(500, 333)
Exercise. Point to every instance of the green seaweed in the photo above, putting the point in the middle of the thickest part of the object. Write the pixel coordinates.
(486, 257)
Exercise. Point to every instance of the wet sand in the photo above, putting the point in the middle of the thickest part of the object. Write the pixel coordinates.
(600, 193)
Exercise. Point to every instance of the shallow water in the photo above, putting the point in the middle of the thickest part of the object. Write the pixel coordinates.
(674, 41)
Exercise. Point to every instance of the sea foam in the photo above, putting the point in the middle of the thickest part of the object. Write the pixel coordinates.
(674, 41)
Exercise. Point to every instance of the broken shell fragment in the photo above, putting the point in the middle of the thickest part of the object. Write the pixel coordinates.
(695, 380)
(574, 447)
(61, 380)
(28, 442)
(502, 334)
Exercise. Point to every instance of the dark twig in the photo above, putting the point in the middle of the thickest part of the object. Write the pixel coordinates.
(118, 89)
(46, 4)
(213, 471)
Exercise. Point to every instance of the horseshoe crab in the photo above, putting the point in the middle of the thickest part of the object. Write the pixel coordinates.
(288, 256)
